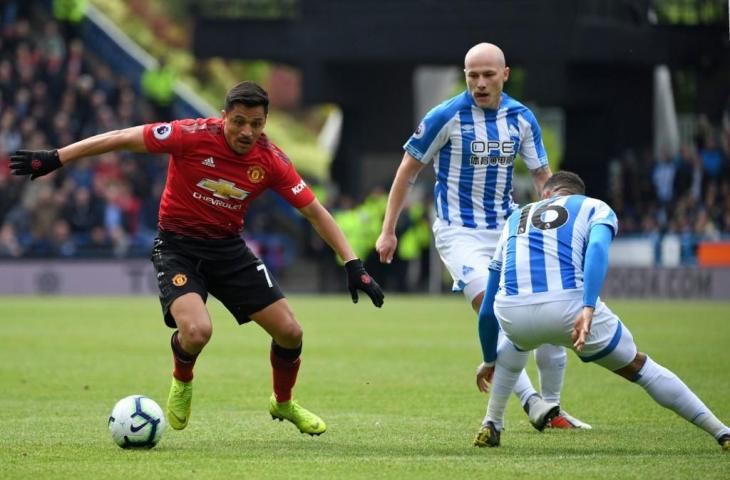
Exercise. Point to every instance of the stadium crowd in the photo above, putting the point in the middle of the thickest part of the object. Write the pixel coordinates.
(54, 92)
(687, 194)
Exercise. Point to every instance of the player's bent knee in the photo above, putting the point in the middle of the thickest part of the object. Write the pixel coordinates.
(290, 334)
(188, 308)
(630, 371)
(476, 302)
(199, 334)
(284, 328)
(192, 320)
(550, 356)
(511, 359)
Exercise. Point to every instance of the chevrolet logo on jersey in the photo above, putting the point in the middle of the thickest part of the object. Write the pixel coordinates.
(223, 189)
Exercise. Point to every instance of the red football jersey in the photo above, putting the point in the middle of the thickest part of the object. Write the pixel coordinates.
(209, 186)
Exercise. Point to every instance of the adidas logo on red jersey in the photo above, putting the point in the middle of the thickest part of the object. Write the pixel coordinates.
(209, 162)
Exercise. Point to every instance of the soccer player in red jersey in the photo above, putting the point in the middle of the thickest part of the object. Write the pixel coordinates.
(217, 167)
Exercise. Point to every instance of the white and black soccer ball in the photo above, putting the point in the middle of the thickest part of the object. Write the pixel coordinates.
(137, 422)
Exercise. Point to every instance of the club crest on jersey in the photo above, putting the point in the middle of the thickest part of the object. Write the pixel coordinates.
(255, 174)
(161, 132)
(179, 280)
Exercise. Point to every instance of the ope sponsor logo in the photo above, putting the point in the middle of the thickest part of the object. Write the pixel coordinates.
(502, 148)
(492, 153)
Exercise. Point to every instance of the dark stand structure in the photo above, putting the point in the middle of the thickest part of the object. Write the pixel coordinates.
(593, 58)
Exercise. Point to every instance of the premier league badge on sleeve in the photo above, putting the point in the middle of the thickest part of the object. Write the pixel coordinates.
(162, 131)
(419, 130)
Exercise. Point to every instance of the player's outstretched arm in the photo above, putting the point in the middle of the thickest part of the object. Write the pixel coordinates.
(357, 277)
(539, 177)
(405, 177)
(37, 163)
(488, 328)
(595, 268)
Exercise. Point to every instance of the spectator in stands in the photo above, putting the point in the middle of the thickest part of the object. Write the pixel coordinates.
(10, 139)
(44, 208)
(62, 243)
(689, 174)
(83, 212)
(70, 13)
(712, 158)
(53, 52)
(663, 179)
(725, 219)
(61, 127)
(99, 244)
(7, 82)
(705, 228)
(158, 84)
(9, 245)
(74, 61)
(9, 187)
(8, 16)
(51, 92)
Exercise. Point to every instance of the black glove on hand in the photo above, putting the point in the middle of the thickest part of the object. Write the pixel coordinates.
(35, 163)
(358, 279)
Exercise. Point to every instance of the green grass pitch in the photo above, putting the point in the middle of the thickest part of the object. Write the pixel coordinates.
(395, 386)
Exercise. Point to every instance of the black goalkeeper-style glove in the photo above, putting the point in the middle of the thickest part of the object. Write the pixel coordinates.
(35, 163)
(359, 279)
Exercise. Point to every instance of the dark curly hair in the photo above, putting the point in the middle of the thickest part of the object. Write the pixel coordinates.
(564, 180)
(249, 94)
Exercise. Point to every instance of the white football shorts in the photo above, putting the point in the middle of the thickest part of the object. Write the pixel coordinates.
(466, 253)
(609, 343)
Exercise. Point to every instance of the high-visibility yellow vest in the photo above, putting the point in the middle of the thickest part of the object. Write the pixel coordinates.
(69, 10)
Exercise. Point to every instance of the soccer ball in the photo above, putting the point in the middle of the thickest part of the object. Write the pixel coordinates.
(137, 422)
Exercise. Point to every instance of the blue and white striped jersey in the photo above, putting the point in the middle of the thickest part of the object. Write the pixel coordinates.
(473, 151)
(540, 253)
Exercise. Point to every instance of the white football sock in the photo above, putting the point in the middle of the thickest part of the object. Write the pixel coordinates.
(523, 388)
(551, 367)
(510, 364)
(670, 392)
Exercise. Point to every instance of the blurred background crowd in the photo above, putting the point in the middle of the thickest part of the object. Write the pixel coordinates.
(54, 91)
(687, 194)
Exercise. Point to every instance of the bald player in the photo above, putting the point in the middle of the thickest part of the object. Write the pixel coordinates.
(472, 140)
